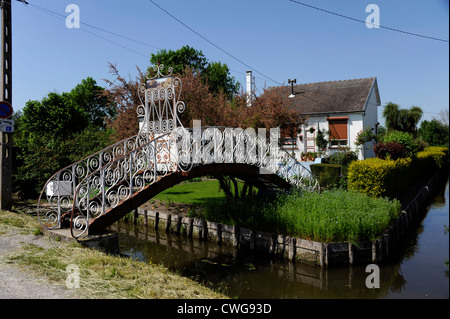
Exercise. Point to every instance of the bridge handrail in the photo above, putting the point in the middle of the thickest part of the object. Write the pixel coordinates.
(82, 192)
(59, 188)
(98, 188)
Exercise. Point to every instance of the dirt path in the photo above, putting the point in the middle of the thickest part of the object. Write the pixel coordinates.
(15, 282)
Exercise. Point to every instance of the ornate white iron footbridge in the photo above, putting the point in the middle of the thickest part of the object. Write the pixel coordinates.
(101, 188)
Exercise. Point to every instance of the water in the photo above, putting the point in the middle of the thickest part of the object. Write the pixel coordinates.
(419, 272)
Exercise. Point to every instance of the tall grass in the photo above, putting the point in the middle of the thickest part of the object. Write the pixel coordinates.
(330, 216)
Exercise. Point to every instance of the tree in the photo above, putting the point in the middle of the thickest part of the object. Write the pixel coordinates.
(180, 59)
(56, 115)
(219, 80)
(92, 99)
(57, 131)
(391, 115)
(414, 114)
(216, 74)
(404, 120)
(434, 132)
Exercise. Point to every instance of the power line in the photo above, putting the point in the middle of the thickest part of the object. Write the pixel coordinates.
(358, 20)
(210, 42)
(62, 17)
(100, 29)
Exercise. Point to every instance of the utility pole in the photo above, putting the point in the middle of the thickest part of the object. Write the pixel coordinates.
(6, 155)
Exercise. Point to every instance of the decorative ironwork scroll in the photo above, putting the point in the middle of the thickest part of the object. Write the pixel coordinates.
(56, 198)
(158, 113)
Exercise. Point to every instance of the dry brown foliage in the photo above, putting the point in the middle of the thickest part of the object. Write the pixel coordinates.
(124, 96)
(267, 111)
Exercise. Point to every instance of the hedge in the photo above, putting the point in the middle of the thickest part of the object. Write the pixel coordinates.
(388, 178)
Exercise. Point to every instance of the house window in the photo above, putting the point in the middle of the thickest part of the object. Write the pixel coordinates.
(289, 142)
(338, 131)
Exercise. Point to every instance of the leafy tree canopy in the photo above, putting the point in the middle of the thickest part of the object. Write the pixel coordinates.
(398, 119)
(57, 131)
(91, 98)
(216, 74)
(434, 132)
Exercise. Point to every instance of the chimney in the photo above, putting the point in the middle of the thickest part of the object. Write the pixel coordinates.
(250, 81)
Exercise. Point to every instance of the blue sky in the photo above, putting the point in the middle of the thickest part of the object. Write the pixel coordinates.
(279, 39)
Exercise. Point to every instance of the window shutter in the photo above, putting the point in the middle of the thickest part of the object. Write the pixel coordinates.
(338, 128)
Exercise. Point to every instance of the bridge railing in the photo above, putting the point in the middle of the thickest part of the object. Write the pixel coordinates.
(120, 179)
(56, 197)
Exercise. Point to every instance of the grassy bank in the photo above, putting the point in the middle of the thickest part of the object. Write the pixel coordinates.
(101, 276)
(330, 216)
(193, 193)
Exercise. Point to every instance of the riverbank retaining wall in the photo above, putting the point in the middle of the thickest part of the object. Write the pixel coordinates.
(302, 250)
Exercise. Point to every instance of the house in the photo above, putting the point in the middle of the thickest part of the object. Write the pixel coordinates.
(340, 109)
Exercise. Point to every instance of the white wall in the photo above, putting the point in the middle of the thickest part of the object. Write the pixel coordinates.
(355, 124)
(370, 120)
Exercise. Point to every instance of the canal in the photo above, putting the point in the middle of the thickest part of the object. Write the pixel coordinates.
(419, 272)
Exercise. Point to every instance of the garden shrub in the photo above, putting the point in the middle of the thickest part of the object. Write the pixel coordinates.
(405, 139)
(439, 155)
(390, 150)
(343, 157)
(377, 177)
(329, 175)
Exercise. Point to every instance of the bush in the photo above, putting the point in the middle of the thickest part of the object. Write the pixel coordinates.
(329, 175)
(439, 155)
(377, 177)
(392, 150)
(434, 132)
(404, 138)
(343, 157)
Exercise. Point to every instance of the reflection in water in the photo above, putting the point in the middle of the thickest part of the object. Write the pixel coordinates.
(419, 271)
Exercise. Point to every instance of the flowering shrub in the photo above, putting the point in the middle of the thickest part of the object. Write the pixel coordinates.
(364, 136)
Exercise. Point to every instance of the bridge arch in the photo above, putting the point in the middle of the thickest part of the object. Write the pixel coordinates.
(246, 172)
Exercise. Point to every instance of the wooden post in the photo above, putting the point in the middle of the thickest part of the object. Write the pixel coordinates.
(135, 216)
(291, 252)
(168, 221)
(146, 217)
(350, 253)
(156, 220)
(236, 236)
